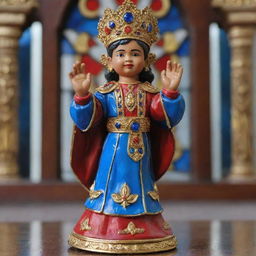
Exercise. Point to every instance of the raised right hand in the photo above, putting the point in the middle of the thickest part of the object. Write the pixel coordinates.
(80, 80)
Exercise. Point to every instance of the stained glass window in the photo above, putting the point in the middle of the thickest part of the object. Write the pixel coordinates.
(79, 42)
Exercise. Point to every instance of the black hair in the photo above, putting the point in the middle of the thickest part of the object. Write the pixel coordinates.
(144, 75)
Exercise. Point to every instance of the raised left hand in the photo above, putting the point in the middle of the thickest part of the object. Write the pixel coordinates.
(171, 76)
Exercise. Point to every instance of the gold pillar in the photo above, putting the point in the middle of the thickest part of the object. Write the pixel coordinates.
(240, 18)
(241, 41)
(12, 19)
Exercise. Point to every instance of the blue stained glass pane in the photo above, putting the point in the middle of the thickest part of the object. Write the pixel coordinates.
(172, 21)
(66, 47)
(184, 48)
(183, 163)
(80, 23)
(226, 102)
(24, 101)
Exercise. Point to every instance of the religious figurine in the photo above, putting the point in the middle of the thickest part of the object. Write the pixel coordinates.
(122, 139)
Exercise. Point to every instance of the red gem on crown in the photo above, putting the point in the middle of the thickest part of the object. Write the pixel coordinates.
(92, 5)
(107, 30)
(127, 29)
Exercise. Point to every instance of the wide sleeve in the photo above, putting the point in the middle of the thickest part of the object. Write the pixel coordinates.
(167, 109)
(87, 111)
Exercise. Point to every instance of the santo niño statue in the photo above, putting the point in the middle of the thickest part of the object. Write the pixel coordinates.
(122, 138)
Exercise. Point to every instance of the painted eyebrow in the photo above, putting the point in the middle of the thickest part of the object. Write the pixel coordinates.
(133, 50)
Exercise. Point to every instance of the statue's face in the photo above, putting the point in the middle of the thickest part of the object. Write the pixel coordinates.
(128, 60)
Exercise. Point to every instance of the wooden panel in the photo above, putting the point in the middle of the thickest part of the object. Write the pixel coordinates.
(197, 16)
(51, 14)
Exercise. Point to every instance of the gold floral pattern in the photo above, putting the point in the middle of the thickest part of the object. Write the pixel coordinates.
(85, 225)
(125, 198)
(154, 194)
(166, 226)
(130, 99)
(131, 229)
(135, 147)
(141, 103)
(122, 246)
(93, 194)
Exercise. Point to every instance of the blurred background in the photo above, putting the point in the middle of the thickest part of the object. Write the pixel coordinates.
(215, 141)
(209, 191)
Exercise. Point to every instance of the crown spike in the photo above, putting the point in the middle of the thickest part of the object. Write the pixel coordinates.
(128, 22)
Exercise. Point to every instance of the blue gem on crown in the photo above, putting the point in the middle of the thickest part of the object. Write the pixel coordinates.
(150, 27)
(128, 17)
(111, 24)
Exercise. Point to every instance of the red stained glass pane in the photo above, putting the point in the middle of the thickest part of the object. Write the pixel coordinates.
(156, 5)
(92, 5)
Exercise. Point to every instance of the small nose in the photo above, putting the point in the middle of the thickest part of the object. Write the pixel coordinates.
(127, 57)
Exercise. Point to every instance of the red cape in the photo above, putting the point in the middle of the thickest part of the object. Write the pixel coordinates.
(87, 147)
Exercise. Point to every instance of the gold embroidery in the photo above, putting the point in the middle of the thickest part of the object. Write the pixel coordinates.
(126, 215)
(135, 146)
(165, 114)
(85, 225)
(119, 101)
(122, 246)
(130, 99)
(107, 88)
(124, 124)
(154, 194)
(131, 229)
(109, 171)
(93, 115)
(93, 194)
(166, 226)
(149, 88)
(142, 189)
(141, 99)
(125, 197)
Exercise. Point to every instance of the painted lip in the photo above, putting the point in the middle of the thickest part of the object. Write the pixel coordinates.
(128, 65)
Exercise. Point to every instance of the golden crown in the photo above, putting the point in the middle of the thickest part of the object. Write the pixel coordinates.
(128, 22)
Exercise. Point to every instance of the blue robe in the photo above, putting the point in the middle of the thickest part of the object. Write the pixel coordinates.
(123, 186)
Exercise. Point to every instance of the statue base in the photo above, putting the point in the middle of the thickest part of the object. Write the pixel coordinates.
(123, 246)
(97, 232)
